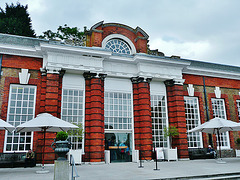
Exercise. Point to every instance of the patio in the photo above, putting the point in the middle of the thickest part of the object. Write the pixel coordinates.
(194, 169)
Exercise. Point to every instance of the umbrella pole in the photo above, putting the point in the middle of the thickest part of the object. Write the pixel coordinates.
(44, 135)
(219, 139)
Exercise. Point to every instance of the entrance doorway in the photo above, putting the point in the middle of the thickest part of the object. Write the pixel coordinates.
(120, 146)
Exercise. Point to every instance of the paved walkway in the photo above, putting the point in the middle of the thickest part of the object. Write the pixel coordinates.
(118, 171)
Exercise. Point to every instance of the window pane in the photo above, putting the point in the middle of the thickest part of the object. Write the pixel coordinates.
(72, 111)
(218, 106)
(159, 120)
(115, 108)
(19, 112)
(192, 121)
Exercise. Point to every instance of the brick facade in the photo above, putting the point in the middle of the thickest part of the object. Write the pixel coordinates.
(229, 92)
(97, 34)
(49, 89)
(142, 117)
(176, 116)
(94, 118)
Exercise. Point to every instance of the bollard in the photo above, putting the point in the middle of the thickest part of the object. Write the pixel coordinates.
(156, 169)
(140, 154)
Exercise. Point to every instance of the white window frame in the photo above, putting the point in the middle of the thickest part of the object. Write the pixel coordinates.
(238, 107)
(73, 109)
(196, 112)
(120, 85)
(122, 37)
(159, 137)
(109, 113)
(224, 116)
(13, 123)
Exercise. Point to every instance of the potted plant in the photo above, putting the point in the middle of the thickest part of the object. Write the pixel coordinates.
(170, 132)
(61, 136)
(61, 145)
(238, 145)
(169, 153)
(78, 135)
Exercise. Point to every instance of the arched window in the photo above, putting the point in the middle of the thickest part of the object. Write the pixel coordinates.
(118, 46)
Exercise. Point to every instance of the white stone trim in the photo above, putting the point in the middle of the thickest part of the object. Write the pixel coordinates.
(117, 85)
(24, 76)
(119, 36)
(178, 81)
(211, 73)
(190, 89)
(217, 92)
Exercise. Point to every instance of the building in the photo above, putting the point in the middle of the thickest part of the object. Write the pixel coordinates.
(121, 92)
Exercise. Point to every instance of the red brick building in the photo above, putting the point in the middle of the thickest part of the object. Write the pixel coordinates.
(123, 94)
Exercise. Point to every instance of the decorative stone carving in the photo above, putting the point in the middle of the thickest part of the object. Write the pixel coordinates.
(217, 92)
(24, 76)
(140, 79)
(178, 81)
(190, 89)
(43, 71)
(89, 75)
(53, 70)
(172, 82)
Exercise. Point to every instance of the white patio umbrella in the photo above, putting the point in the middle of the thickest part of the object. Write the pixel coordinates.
(6, 126)
(47, 123)
(217, 126)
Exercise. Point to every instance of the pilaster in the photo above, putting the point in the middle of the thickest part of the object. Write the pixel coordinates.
(142, 116)
(176, 115)
(50, 103)
(94, 117)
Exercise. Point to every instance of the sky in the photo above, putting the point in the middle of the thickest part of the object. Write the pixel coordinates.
(203, 30)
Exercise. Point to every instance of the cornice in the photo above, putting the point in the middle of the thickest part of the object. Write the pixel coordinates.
(211, 72)
(85, 51)
(143, 58)
(20, 50)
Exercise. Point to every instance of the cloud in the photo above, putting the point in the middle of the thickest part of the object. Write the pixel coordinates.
(189, 50)
(203, 30)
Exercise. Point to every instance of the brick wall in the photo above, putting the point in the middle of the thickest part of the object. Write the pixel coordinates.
(176, 117)
(94, 118)
(96, 38)
(11, 66)
(229, 92)
(142, 117)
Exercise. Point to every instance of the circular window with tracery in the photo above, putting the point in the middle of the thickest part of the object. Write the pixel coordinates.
(118, 46)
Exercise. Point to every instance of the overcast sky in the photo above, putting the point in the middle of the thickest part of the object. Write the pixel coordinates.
(204, 30)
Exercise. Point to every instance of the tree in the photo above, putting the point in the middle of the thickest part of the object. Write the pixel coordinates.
(67, 35)
(170, 132)
(16, 20)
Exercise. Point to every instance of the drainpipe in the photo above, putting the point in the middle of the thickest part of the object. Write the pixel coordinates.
(1, 56)
(206, 108)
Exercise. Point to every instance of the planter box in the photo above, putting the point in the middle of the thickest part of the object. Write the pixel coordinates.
(135, 156)
(170, 154)
(77, 155)
(237, 152)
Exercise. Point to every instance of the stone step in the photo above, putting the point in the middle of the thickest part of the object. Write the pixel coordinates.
(220, 177)
(209, 177)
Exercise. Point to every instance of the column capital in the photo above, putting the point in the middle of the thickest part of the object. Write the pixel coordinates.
(89, 75)
(51, 70)
(174, 81)
(138, 79)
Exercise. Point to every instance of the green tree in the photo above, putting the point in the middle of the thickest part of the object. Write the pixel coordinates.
(67, 35)
(16, 20)
(170, 132)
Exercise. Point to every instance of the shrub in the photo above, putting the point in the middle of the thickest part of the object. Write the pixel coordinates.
(61, 136)
(238, 141)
